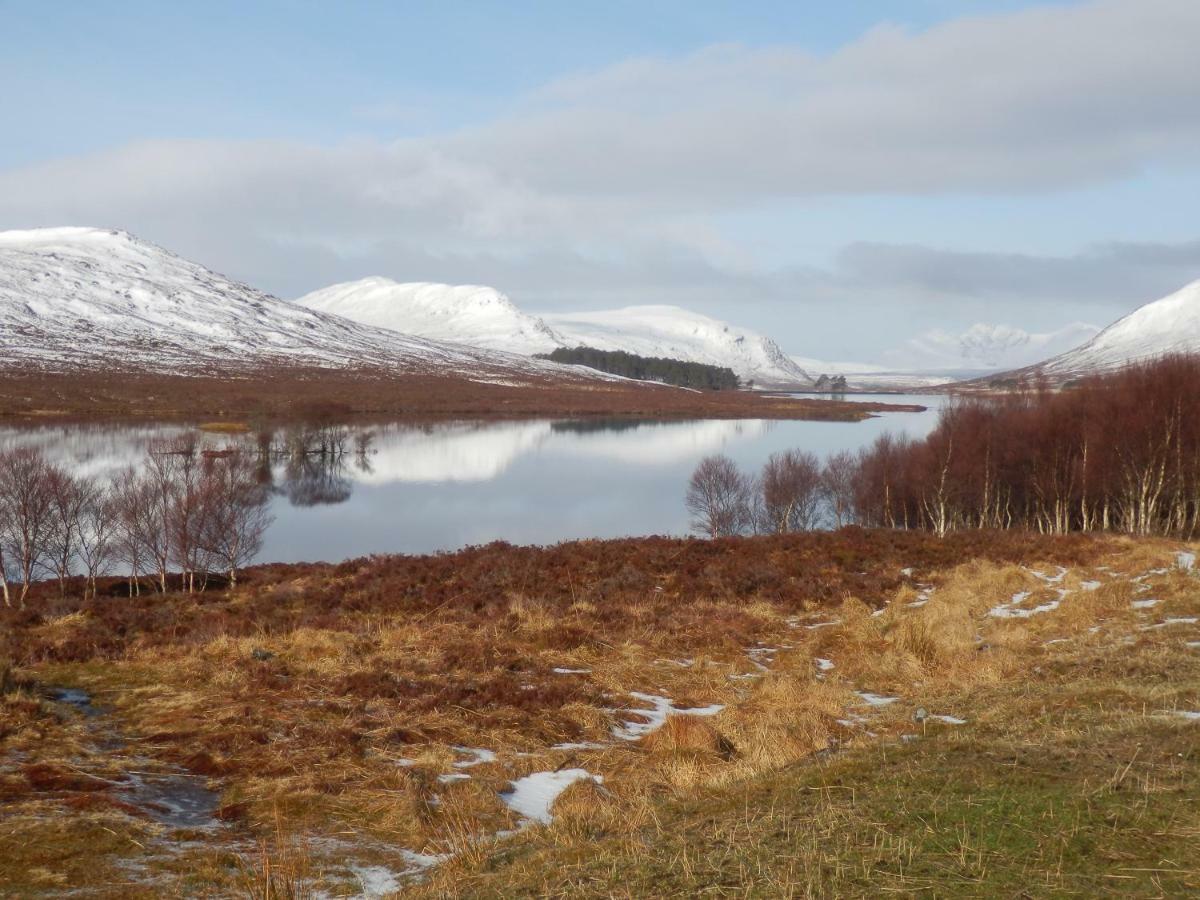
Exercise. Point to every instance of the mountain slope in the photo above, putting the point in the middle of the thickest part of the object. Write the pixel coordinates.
(75, 299)
(676, 333)
(473, 314)
(483, 317)
(1169, 325)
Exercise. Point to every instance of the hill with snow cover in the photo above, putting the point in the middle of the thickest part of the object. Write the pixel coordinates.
(74, 299)
(483, 317)
(1169, 325)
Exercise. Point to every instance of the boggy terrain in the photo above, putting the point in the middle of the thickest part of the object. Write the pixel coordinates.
(804, 715)
(294, 392)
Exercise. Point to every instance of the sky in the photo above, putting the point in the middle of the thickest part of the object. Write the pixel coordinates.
(910, 183)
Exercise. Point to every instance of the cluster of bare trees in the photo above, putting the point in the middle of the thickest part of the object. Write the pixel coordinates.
(186, 509)
(1115, 453)
(794, 492)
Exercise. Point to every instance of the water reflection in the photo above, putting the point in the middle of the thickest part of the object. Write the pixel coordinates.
(344, 491)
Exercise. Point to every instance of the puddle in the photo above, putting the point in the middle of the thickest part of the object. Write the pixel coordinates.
(174, 799)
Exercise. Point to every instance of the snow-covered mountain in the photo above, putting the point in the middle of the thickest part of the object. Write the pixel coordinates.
(483, 317)
(73, 299)
(1169, 325)
(468, 313)
(676, 333)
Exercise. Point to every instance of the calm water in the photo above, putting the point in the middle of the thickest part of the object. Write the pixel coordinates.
(416, 489)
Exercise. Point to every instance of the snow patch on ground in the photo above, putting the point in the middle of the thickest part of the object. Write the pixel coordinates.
(477, 757)
(656, 716)
(876, 699)
(533, 796)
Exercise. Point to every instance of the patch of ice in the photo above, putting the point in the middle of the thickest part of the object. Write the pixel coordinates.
(1090, 585)
(1192, 714)
(534, 795)
(452, 777)
(375, 881)
(579, 745)
(558, 670)
(823, 664)
(1144, 604)
(907, 572)
(950, 720)
(1194, 645)
(1186, 560)
(405, 762)
(876, 699)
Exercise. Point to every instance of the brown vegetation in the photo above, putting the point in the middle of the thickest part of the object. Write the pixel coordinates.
(297, 393)
(1114, 453)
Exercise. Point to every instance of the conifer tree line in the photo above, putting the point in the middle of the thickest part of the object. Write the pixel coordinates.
(184, 510)
(677, 372)
(1116, 453)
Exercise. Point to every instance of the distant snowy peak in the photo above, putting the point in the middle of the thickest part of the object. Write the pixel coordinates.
(468, 313)
(75, 299)
(484, 317)
(1169, 325)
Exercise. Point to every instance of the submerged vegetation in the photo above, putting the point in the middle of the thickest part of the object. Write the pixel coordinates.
(777, 715)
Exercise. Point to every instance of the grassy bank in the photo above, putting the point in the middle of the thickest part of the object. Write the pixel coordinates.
(738, 718)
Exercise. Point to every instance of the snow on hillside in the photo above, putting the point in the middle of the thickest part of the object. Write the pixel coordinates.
(1169, 325)
(72, 298)
(468, 313)
(676, 333)
(483, 317)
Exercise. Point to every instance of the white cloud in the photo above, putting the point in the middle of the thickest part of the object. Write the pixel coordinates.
(603, 188)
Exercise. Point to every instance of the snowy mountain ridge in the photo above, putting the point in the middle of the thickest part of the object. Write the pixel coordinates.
(481, 316)
(1159, 328)
(91, 298)
(1168, 325)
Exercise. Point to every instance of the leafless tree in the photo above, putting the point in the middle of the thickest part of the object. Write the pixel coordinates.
(839, 476)
(719, 497)
(98, 532)
(791, 491)
(68, 495)
(25, 517)
(237, 517)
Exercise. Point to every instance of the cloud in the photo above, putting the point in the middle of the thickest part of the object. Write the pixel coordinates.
(605, 188)
(1100, 275)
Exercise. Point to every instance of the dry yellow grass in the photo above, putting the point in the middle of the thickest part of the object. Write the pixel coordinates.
(350, 727)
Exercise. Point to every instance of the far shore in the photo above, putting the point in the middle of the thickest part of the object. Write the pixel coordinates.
(280, 395)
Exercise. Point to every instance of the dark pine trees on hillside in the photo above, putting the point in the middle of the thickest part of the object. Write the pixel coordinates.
(648, 368)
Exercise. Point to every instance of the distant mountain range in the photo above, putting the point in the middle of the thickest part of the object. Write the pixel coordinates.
(81, 299)
(1168, 325)
(483, 317)
(78, 299)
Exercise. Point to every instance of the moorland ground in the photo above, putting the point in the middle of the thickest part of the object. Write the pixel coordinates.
(291, 393)
(827, 714)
